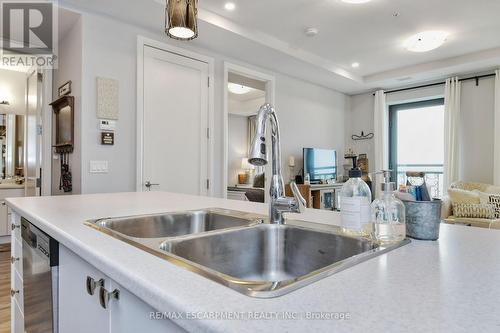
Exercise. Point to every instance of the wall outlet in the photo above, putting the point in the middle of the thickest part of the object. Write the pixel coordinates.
(98, 166)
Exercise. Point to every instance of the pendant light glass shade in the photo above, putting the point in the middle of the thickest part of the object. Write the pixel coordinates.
(182, 19)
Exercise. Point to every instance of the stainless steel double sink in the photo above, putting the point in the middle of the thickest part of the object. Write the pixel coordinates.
(242, 251)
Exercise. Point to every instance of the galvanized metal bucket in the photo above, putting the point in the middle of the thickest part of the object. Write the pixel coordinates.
(423, 219)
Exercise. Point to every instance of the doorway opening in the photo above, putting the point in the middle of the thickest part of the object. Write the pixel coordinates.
(245, 92)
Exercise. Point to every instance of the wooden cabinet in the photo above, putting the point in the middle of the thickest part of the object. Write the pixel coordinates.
(318, 196)
(80, 312)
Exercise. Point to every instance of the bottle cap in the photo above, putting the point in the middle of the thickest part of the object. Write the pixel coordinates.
(387, 185)
(355, 173)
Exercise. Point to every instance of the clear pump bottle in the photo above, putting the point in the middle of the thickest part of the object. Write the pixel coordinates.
(355, 198)
(388, 214)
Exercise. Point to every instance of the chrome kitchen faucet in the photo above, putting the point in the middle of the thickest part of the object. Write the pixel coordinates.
(258, 157)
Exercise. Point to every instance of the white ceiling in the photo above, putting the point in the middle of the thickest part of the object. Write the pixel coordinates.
(270, 34)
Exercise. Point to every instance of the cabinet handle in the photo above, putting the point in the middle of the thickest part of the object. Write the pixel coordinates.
(14, 226)
(13, 259)
(91, 284)
(13, 292)
(3, 203)
(105, 296)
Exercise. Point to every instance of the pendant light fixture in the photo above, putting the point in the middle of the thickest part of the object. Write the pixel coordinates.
(181, 19)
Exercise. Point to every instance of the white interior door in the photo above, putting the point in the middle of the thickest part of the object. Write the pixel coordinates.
(33, 139)
(175, 123)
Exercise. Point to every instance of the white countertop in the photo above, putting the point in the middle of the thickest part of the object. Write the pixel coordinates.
(451, 285)
(9, 185)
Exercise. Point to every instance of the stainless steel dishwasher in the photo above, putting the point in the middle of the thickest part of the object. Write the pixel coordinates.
(40, 279)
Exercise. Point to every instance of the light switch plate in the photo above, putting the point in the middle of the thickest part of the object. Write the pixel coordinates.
(98, 166)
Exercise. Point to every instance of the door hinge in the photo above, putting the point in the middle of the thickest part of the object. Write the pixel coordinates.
(208, 184)
(208, 81)
(39, 76)
(208, 133)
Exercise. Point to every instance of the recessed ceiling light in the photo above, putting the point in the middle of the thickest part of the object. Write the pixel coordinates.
(356, 1)
(425, 41)
(238, 89)
(230, 6)
(311, 32)
(355, 65)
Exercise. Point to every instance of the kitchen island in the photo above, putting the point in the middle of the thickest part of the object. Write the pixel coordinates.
(449, 285)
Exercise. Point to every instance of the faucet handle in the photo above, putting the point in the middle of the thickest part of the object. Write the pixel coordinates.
(301, 202)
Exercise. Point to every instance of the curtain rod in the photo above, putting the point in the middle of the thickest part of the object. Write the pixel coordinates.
(440, 83)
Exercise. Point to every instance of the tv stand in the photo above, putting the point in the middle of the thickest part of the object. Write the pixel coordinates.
(319, 196)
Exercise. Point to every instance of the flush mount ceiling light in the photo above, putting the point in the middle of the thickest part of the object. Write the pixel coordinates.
(355, 65)
(181, 19)
(356, 1)
(426, 41)
(229, 6)
(238, 89)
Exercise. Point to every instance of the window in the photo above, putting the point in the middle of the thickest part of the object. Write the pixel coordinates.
(417, 142)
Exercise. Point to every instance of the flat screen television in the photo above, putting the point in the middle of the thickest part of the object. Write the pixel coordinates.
(320, 164)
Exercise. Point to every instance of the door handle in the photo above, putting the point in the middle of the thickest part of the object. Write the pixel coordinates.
(14, 226)
(13, 259)
(105, 296)
(148, 185)
(91, 284)
(13, 292)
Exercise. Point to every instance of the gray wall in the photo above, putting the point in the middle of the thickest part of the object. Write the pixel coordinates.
(310, 115)
(13, 90)
(70, 68)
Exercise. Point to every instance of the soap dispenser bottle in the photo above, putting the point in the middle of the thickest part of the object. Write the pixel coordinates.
(355, 198)
(388, 213)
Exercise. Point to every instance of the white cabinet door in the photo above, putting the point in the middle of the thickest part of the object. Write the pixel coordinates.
(4, 219)
(79, 312)
(4, 210)
(175, 122)
(130, 314)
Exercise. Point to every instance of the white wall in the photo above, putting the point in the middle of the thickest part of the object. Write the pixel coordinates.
(13, 90)
(70, 68)
(237, 146)
(477, 107)
(310, 115)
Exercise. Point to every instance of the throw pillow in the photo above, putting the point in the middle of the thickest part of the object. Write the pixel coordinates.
(493, 189)
(495, 201)
(484, 211)
(462, 196)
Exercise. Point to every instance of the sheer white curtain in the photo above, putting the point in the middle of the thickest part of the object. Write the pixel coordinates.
(381, 137)
(451, 132)
(496, 167)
